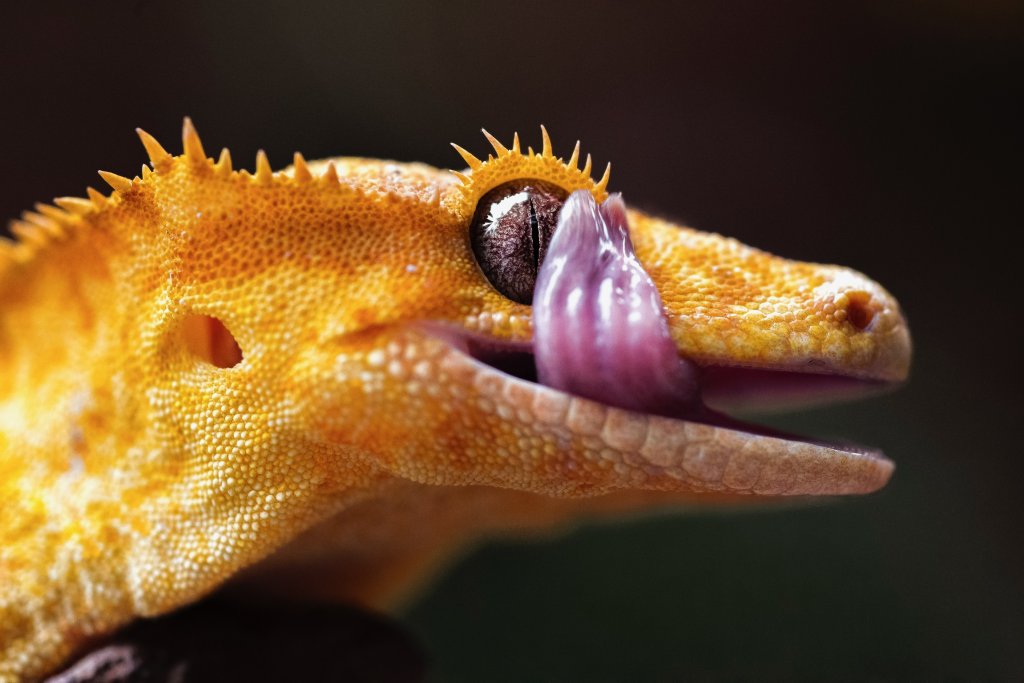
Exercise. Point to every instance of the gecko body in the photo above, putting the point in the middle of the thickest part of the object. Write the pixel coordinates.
(307, 379)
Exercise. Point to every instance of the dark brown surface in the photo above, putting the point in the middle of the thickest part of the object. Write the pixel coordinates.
(225, 642)
(510, 245)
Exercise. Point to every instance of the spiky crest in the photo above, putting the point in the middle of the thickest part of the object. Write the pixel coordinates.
(223, 165)
(471, 161)
(499, 148)
(158, 156)
(29, 234)
(330, 176)
(574, 158)
(191, 142)
(545, 142)
(74, 205)
(98, 199)
(118, 182)
(56, 214)
(512, 164)
(264, 174)
(302, 172)
(48, 223)
(602, 184)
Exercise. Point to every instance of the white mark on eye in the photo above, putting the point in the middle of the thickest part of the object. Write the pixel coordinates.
(499, 209)
(411, 268)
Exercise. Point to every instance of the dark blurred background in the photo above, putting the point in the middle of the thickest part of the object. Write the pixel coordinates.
(883, 136)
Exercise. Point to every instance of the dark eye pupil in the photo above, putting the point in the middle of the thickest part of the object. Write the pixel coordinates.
(511, 230)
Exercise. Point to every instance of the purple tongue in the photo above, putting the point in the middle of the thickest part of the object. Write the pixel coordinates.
(598, 326)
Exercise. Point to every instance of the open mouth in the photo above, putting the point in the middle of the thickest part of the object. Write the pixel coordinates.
(721, 388)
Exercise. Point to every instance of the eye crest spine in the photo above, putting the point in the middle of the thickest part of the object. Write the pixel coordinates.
(510, 163)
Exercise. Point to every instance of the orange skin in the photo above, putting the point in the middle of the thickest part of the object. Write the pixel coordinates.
(145, 460)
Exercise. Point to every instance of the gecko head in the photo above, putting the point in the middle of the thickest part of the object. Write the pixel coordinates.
(510, 325)
(532, 332)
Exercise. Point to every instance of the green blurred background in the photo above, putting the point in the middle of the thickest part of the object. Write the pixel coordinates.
(883, 136)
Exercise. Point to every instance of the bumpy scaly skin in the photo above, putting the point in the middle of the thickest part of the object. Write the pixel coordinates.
(137, 475)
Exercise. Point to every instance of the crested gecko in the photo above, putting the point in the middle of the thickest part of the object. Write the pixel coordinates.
(344, 370)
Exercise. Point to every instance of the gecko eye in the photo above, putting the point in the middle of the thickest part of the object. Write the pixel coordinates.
(511, 230)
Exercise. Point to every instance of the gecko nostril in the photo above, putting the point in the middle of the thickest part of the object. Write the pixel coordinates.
(860, 310)
(208, 338)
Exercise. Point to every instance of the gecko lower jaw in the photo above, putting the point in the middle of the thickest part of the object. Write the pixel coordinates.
(789, 464)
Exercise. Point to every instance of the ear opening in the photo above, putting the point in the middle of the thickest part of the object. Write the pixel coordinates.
(209, 339)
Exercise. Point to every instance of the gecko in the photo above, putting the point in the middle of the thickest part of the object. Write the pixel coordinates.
(326, 380)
